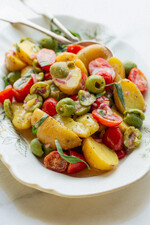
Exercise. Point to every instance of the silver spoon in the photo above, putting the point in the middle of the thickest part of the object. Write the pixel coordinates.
(54, 20)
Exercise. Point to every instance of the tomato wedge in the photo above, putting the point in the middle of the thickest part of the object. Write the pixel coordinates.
(83, 80)
(99, 101)
(101, 64)
(22, 86)
(7, 93)
(106, 116)
(74, 48)
(46, 58)
(139, 79)
(55, 162)
(76, 167)
(49, 106)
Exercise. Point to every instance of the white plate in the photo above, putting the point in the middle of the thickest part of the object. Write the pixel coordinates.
(26, 168)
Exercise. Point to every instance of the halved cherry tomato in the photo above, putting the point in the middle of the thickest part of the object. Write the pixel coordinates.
(76, 167)
(99, 101)
(47, 76)
(106, 116)
(7, 93)
(121, 153)
(138, 78)
(113, 138)
(55, 162)
(83, 80)
(107, 76)
(101, 64)
(74, 97)
(23, 85)
(18, 97)
(49, 106)
(74, 48)
(46, 58)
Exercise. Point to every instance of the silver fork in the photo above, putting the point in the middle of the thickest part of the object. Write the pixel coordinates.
(54, 20)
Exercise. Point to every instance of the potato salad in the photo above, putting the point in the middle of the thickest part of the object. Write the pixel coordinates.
(84, 106)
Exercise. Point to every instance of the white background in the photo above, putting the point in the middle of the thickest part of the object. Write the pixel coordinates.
(20, 205)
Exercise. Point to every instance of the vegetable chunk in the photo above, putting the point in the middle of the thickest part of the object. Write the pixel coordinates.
(12, 62)
(99, 155)
(50, 130)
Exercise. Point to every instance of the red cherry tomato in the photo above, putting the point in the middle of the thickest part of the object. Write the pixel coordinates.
(47, 76)
(121, 153)
(99, 101)
(74, 97)
(74, 48)
(18, 97)
(46, 58)
(101, 64)
(76, 167)
(106, 116)
(83, 80)
(49, 106)
(107, 76)
(138, 78)
(55, 162)
(7, 93)
(113, 138)
(23, 85)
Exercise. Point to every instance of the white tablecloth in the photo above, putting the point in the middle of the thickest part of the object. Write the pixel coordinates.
(21, 205)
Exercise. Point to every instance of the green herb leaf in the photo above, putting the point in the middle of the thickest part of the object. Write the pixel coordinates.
(27, 75)
(44, 63)
(70, 159)
(38, 123)
(6, 82)
(17, 48)
(120, 93)
(76, 34)
(100, 94)
(101, 112)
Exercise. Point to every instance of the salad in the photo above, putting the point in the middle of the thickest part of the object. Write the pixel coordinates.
(84, 106)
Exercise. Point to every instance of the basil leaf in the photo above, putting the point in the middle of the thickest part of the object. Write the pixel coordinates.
(44, 63)
(76, 34)
(17, 48)
(38, 123)
(70, 159)
(120, 94)
(101, 112)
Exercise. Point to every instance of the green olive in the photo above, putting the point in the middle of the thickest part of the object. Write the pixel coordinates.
(7, 108)
(81, 110)
(36, 67)
(47, 150)
(13, 76)
(36, 147)
(40, 88)
(59, 70)
(26, 39)
(132, 138)
(128, 65)
(65, 107)
(56, 92)
(134, 117)
(95, 84)
(40, 76)
(32, 102)
(48, 42)
(85, 98)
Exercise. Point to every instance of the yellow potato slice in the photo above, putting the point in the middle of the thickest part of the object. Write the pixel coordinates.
(21, 118)
(65, 57)
(118, 68)
(26, 70)
(91, 52)
(12, 62)
(81, 66)
(132, 96)
(51, 129)
(25, 50)
(98, 155)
